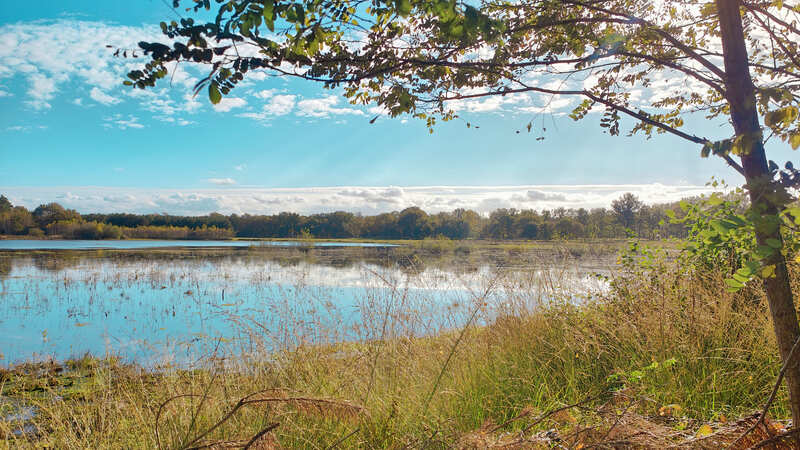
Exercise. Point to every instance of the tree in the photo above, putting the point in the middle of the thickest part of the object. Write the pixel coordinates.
(626, 208)
(567, 228)
(53, 212)
(413, 223)
(17, 220)
(527, 225)
(5, 204)
(501, 224)
(738, 59)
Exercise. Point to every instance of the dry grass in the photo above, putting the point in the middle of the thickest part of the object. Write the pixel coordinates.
(658, 356)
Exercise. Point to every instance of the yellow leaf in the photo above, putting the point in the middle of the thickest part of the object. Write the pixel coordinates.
(81, 324)
(669, 410)
(794, 141)
(704, 431)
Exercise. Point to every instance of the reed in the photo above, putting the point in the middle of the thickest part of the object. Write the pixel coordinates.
(490, 367)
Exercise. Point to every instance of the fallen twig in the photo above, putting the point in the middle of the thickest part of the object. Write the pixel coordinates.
(258, 435)
(772, 395)
(346, 437)
(776, 438)
(557, 410)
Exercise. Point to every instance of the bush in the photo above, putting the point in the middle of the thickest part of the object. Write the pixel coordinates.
(83, 230)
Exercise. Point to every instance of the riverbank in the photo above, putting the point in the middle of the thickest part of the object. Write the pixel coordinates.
(664, 355)
(434, 245)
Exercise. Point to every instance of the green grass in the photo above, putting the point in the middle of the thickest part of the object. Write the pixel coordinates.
(662, 336)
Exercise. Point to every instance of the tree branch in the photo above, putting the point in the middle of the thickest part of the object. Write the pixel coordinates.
(670, 38)
(641, 117)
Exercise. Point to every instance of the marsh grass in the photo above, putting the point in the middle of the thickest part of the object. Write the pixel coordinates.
(476, 370)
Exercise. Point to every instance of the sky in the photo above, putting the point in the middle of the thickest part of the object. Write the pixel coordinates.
(71, 132)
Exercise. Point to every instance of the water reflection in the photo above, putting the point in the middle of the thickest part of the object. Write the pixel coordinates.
(176, 307)
(77, 244)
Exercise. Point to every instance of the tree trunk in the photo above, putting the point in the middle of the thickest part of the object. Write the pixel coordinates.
(741, 98)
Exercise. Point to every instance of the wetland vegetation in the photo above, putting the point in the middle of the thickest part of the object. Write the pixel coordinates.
(426, 345)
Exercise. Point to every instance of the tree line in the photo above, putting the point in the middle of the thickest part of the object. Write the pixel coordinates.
(627, 216)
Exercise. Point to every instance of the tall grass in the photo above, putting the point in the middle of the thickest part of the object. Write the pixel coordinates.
(412, 374)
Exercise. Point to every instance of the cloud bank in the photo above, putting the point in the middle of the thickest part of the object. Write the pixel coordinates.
(365, 200)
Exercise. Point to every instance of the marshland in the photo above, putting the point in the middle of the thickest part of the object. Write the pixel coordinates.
(399, 224)
(419, 345)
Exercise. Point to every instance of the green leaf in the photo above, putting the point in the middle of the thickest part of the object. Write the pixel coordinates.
(795, 213)
(269, 14)
(733, 284)
(714, 200)
(301, 13)
(774, 243)
(740, 278)
(763, 251)
(403, 7)
(445, 10)
(768, 271)
(722, 227)
(213, 93)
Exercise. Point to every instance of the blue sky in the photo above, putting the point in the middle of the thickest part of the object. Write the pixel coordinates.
(67, 126)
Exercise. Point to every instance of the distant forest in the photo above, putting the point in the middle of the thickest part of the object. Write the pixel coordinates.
(627, 216)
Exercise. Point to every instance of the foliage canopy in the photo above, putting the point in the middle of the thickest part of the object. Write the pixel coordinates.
(417, 57)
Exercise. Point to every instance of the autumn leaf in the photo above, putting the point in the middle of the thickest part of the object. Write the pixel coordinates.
(704, 431)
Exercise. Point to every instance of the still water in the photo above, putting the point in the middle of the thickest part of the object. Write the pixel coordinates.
(177, 308)
(33, 244)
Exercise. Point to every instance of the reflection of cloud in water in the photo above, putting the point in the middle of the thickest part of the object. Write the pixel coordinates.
(176, 310)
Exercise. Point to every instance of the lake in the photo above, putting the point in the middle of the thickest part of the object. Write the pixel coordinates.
(168, 306)
(54, 244)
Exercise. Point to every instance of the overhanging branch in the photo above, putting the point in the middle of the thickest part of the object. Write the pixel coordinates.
(641, 117)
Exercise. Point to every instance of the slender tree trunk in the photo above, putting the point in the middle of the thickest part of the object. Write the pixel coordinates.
(742, 101)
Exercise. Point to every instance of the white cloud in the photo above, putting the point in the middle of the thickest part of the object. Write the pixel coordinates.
(117, 121)
(265, 94)
(280, 105)
(492, 103)
(323, 107)
(5, 94)
(26, 53)
(27, 49)
(240, 167)
(366, 200)
(41, 90)
(222, 181)
(101, 97)
(26, 128)
(229, 103)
